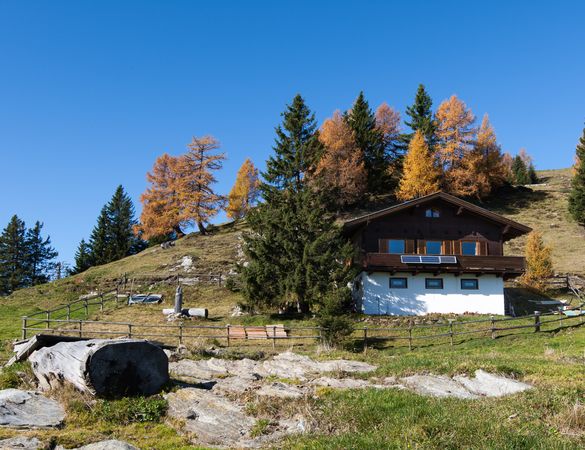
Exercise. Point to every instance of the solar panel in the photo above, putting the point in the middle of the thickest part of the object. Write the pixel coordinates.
(427, 259)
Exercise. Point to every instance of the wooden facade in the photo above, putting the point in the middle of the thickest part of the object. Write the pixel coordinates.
(438, 224)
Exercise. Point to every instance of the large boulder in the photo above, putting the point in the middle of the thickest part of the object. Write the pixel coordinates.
(26, 409)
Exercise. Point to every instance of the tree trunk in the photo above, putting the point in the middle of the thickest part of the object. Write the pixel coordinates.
(201, 227)
(178, 232)
(103, 367)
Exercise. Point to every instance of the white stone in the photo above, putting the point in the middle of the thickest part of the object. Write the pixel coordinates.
(26, 409)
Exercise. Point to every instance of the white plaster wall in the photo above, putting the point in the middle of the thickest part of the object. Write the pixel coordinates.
(378, 298)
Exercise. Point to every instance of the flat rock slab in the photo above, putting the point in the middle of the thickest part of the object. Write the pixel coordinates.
(233, 385)
(282, 390)
(341, 383)
(111, 444)
(21, 443)
(213, 419)
(491, 385)
(482, 385)
(26, 409)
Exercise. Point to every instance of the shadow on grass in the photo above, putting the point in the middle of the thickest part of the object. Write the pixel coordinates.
(513, 199)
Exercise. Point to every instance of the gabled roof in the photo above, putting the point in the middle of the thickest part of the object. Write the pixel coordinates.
(512, 227)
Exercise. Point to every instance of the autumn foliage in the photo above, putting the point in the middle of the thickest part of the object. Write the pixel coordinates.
(180, 191)
(420, 176)
(244, 192)
(539, 264)
(340, 173)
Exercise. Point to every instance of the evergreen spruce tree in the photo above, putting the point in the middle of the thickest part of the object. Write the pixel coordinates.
(40, 255)
(122, 241)
(13, 257)
(100, 239)
(520, 171)
(295, 251)
(577, 195)
(421, 117)
(83, 257)
(370, 140)
(532, 177)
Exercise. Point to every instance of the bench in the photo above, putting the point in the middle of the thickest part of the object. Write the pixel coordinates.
(257, 332)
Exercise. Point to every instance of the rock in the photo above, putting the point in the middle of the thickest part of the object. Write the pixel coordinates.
(342, 365)
(233, 385)
(282, 390)
(26, 409)
(213, 419)
(111, 444)
(437, 386)
(197, 370)
(491, 385)
(343, 383)
(20, 443)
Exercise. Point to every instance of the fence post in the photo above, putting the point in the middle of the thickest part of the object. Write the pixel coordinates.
(181, 333)
(24, 327)
(273, 337)
(85, 305)
(68, 311)
(129, 330)
(219, 279)
(80, 328)
(101, 302)
(536, 321)
(451, 331)
(410, 324)
(365, 339)
(320, 335)
(227, 327)
(493, 327)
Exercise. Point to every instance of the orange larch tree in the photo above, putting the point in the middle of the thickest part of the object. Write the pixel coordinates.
(340, 173)
(455, 135)
(199, 203)
(539, 265)
(420, 175)
(244, 192)
(161, 208)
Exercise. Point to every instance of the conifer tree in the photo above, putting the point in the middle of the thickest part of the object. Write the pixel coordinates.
(420, 175)
(539, 265)
(421, 116)
(362, 121)
(520, 171)
(40, 255)
(295, 251)
(198, 202)
(577, 195)
(244, 193)
(83, 257)
(13, 256)
(100, 239)
(122, 241)
(507, 162)
(161, 207)
(340, 174)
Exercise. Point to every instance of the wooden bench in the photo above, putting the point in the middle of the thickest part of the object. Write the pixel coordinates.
(276, 331)
(236, 332)
(257, 332)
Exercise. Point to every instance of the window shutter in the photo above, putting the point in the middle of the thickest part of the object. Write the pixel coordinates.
(409, 246)
(483, 248)
(382, 245)
(447, 247)
(421, 244)
(456, 247)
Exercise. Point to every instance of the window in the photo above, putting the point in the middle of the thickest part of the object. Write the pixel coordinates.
(432, 212)
(433, 283)
(433, 247)
(467, 283)
(398, 283)
(469, 248)
(396, 246)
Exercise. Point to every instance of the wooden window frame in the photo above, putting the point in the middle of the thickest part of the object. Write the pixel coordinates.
(477, 247)
(398, 278)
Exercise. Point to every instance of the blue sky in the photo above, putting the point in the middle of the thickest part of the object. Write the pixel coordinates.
(91, 92)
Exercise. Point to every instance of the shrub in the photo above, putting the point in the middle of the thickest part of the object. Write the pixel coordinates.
(333, 318)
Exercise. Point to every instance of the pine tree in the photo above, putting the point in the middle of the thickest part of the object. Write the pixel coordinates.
(161, 207)
(362, 121)
(13, 256)
(198, 202)
(520, 171)
(421, 117)
(40, 255)
(539, 265)
(295, 251)
(121, 240)
(340, 174)
(100, 239)
(532, 176)
(577, 195)
(83, 257)
(420, 176)
(244, 193)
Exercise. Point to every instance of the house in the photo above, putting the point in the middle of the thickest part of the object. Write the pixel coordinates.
(434, 254)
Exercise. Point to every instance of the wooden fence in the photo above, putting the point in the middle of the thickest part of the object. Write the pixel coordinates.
(444, 332)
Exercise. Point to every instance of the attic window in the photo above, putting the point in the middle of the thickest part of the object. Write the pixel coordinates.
(432, 212)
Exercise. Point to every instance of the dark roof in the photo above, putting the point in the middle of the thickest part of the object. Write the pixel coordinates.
(514, 228)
